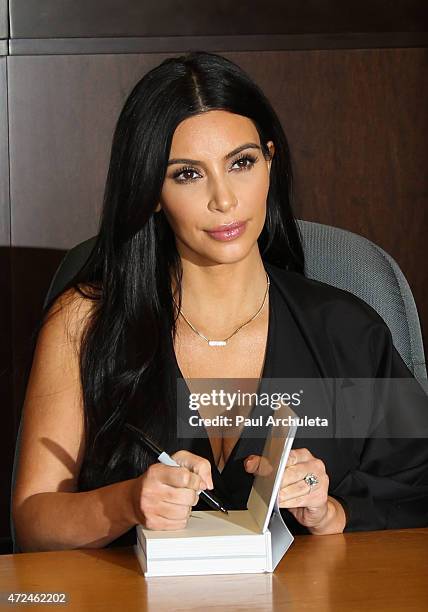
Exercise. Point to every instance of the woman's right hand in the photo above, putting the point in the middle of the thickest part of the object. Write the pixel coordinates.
(162, 497)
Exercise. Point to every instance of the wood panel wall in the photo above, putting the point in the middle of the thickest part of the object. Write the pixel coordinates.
(8, 429)
(356, 121)
(46, 19)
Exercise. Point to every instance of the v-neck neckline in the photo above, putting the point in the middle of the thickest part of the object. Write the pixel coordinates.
(266, 372)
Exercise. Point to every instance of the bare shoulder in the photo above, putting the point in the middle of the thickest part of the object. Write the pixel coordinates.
(52, 436)
(69, 315)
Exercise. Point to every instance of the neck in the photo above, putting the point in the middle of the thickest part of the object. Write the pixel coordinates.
(218, 298)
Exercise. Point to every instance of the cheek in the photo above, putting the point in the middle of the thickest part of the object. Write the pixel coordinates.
(182, 213)
(252, 190)
(176, 217)
(253, 196)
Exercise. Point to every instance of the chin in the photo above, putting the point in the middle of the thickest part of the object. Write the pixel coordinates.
(212, 253)
(227, 256)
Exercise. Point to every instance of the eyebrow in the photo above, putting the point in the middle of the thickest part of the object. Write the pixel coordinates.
(248, 145)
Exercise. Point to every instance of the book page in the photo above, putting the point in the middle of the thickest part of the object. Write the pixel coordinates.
(209, 523)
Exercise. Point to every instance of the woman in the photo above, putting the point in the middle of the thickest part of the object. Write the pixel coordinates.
(197, 242)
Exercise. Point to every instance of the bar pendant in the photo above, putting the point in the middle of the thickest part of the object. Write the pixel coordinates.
(217, 342)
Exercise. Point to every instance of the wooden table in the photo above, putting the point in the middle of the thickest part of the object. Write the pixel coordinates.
(378, 570)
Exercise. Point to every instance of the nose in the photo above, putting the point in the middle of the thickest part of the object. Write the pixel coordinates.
(222, 196)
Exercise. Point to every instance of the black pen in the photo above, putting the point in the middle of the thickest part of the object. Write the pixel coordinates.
(164, 458)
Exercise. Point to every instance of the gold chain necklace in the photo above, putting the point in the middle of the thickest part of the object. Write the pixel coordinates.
(224, 342)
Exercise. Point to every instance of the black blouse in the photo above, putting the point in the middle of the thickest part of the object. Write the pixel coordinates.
(318, 331)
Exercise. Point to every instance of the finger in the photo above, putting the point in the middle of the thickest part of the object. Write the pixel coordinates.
(165, 524)
(293, 491)
(310, 501)
(251, 463)
(257, 465)
(203, 469)
(297, 472)
(301, 494)
(181, 478)
(198, 465)
(299, 455)
(309, 516)
(183, 497)
(171, 511)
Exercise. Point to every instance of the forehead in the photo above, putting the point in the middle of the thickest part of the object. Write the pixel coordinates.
(213, 133)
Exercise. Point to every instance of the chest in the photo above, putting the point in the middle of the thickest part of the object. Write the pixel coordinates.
(243, 357)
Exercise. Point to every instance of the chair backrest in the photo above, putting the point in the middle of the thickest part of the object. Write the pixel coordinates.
(351, 262)
(334, 256)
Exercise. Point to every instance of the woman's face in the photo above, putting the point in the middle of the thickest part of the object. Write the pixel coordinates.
(216, 175)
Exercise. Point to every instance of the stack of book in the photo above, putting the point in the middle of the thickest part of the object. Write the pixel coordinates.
(242, 541)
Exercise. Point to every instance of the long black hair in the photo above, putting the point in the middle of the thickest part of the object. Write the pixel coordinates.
(125, 365)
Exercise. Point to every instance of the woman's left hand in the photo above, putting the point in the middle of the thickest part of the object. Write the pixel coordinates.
(310, 505)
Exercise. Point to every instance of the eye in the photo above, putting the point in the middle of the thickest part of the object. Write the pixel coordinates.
(242, 161)
(183, 171)
(245, 162)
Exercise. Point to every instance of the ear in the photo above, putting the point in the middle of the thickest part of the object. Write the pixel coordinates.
(158, 208)
(271, 148)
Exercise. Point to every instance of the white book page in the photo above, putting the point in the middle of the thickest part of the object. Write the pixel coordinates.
(206, 523)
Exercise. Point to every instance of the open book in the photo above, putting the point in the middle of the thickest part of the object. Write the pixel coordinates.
(244, 541)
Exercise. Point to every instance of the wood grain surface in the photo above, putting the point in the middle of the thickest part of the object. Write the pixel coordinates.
(380, 570)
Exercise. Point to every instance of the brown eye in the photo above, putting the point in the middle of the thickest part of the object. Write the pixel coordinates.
(183, 172)
(246, 162)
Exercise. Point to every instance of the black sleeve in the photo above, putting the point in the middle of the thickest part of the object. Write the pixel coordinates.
(389, 487)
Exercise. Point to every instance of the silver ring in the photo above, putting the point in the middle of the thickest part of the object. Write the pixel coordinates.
(311, 480)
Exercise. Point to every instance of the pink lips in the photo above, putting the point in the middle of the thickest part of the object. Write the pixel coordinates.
(228, 232)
